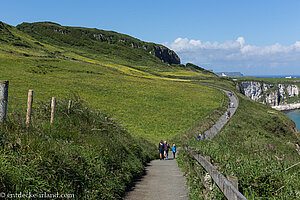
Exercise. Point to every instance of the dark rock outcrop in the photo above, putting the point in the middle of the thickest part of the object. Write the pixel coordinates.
(166, 55)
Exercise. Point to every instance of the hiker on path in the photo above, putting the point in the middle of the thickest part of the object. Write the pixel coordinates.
(232, 105)
(229, 104)
(228, 113)
(199, 136)
(161, 150)
(174, 150)
(165, 150)
(168, 148)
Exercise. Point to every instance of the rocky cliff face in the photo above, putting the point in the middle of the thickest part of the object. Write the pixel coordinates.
(270, 94)
(163, 53)
(166, 55)
(293, 90)
(253, 90)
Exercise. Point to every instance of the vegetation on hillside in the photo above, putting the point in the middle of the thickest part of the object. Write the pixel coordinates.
(84, 153)
(105, 43)
(154, 104)
(257, 146)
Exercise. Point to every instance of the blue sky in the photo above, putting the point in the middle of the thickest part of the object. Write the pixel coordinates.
(205, 32)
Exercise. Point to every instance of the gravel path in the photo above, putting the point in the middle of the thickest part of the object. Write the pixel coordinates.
(163, 178)
(215, 129)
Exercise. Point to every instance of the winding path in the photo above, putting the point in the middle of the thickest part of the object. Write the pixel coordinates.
(222, 121)
(163, 178)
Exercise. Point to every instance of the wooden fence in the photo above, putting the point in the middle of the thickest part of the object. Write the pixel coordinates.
(4, 102)
(229, 188)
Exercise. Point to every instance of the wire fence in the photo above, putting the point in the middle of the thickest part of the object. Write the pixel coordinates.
(22, 101)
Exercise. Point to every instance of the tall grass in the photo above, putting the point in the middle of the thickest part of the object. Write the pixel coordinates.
(257, 146)
(83, 152)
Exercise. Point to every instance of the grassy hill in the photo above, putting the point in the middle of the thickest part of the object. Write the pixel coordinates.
(85, 152)
(155, 99)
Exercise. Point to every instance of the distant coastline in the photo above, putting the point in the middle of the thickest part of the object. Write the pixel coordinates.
(274, 76)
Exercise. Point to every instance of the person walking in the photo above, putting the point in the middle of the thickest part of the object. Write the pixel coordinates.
(168, 148)
(228, 113)
(161, 150)
(174, 150)
(199, 136)
(165, 150)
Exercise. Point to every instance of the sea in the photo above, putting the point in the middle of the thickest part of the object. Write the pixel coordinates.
(292, 114)
(295, 116)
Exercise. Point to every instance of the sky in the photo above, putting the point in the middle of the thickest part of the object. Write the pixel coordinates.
(255, 37)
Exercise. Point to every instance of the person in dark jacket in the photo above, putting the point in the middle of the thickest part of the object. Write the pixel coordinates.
(161, 148)
(166, 149)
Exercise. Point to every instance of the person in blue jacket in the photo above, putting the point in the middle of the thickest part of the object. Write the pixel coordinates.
(199, 136)
(174, 150)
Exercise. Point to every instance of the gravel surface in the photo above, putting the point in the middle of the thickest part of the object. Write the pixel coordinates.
(163, 180)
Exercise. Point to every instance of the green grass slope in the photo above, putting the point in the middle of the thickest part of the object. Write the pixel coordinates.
(155, 106)
(107, 45)
(258, 146)
(84, 153)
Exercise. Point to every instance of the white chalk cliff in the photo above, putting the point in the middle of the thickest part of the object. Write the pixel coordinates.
(270, 94)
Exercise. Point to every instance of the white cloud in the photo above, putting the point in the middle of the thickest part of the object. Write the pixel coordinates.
(241, 40)
(237, 55)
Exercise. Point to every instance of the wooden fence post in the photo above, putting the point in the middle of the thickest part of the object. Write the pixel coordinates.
(233, 180)
(207, 158)
(53, 104)
(69, 106)
(29, 108)
(3, 100)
